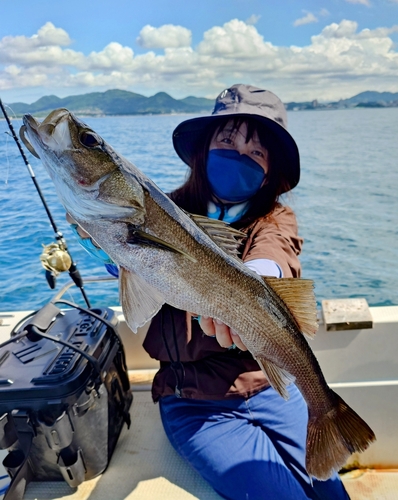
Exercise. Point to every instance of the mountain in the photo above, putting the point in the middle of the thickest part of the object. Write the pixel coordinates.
(116, 102)
(198, 101)
(372, 97)
(368, 99)
(123, 102)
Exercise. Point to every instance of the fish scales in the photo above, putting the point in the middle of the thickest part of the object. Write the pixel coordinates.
(207, 287)
(165, 255)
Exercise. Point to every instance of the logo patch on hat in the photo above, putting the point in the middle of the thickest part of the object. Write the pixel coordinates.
(223, 93)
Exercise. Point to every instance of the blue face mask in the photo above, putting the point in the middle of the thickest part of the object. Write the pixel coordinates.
(89, 246)
(233, 177)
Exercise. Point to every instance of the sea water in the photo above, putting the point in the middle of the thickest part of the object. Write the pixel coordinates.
(346, 205)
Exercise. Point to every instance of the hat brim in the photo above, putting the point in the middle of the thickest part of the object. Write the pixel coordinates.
(191, 132)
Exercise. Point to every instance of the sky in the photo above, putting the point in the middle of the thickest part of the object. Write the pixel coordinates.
(301, 50)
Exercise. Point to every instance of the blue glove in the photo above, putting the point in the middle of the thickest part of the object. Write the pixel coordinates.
(89, 246)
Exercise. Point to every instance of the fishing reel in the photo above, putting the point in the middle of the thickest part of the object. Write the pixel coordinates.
(55, 259)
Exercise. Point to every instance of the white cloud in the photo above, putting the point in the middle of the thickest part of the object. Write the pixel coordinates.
(50, 35)
(234, 39)
(43, 48)
(338, 62)
(253, 19)
(325, 12)
(362, 2)
(346, 29)
(378, 32)
(167, 36)
(113, 56)
(307, 19)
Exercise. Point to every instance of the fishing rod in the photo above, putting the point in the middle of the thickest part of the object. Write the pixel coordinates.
(56, 257)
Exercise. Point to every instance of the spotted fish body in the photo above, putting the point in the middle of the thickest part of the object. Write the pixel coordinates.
(167, 256)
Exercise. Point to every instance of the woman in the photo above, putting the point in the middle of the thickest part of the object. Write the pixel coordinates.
(217, 407)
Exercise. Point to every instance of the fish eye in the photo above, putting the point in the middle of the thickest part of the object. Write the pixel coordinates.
(89, 139)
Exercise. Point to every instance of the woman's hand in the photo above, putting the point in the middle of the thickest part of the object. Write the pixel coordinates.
(82, 233)
(224, 335)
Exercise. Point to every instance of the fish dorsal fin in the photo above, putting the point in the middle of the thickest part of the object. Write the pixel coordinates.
(298, 295)
(277, 377)
(139, 300)
(225, 236)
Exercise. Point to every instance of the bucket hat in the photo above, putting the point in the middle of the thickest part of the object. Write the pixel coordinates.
(244, 101)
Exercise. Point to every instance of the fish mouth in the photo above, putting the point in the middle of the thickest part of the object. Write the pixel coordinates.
(52, 133)
(30, 125)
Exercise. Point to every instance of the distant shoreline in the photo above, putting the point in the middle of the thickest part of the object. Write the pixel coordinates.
(125, 103)
(103, 115)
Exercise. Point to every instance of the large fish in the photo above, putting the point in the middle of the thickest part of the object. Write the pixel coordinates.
(168, 256)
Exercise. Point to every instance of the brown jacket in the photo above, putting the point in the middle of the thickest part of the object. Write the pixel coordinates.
(196, 363)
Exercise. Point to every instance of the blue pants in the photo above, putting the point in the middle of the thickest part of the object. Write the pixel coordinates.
(248, 449)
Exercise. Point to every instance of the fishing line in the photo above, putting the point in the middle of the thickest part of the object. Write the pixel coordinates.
(7, 153)
(8, 159)
(8, 164)
(50, 276)
(7, 174)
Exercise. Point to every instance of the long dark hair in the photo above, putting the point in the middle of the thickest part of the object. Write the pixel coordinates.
(195, 194)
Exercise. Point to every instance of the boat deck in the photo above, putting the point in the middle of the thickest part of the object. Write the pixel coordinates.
(361, 365)
(144, 466)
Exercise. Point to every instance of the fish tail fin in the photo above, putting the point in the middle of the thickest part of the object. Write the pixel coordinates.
(333, 437)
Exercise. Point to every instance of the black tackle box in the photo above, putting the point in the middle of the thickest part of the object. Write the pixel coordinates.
(64, 396)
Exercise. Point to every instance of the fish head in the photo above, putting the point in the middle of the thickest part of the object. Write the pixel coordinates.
(68, 147)
(84, 169)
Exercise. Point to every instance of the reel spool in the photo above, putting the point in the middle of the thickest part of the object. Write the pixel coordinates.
(55, 259)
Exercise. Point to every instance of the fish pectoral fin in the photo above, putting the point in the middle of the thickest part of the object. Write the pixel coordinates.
(139, 237)
(139, 300)
(298, 295)
(277, 377)
(225, 236)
